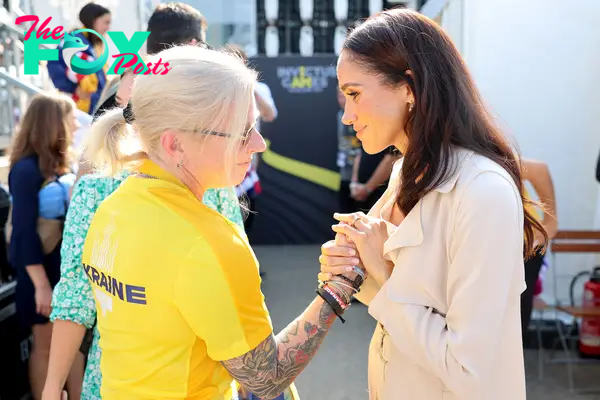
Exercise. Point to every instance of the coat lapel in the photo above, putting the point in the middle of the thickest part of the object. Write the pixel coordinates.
(409, 233)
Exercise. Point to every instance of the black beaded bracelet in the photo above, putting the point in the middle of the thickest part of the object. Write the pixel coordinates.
(333, 303)
(355, 283)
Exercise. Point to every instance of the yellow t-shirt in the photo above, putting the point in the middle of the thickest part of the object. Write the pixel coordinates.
(177, 290)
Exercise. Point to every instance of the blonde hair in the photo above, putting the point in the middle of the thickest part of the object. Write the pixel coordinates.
(112, 86)
(110, 89)
(205, 90)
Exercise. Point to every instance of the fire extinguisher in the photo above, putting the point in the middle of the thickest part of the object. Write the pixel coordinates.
(589, 336)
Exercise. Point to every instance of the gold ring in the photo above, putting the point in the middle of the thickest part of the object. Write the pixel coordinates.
(356, 218)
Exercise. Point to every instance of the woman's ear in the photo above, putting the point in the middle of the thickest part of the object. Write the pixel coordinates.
(409, 95)
(171, 144)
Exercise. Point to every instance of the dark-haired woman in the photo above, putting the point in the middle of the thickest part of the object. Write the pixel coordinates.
(39, 183)
(443, 247)
(85, 89)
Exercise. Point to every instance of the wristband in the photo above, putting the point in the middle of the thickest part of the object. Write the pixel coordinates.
(343, 306)
(333, 300)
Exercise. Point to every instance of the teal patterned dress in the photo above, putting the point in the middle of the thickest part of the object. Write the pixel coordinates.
(73, 299)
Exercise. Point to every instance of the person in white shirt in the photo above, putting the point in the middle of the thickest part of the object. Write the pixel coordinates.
(265, 103)
(443, 248)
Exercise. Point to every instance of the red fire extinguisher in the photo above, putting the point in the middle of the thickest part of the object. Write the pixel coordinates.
(589, 336)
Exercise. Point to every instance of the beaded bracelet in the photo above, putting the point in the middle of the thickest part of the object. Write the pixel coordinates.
(334, 301)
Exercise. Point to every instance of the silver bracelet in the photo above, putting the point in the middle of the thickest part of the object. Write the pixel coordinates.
(354, 290)
(341, 291)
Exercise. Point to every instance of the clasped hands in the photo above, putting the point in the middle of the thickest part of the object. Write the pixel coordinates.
(358, 242)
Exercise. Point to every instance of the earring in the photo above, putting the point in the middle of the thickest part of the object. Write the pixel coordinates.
(180, 164)
(411, 106)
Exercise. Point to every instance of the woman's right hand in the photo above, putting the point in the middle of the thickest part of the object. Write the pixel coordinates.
(337, 257)
(43, 300)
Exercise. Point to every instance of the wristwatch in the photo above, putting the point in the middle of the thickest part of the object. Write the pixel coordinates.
(360, 277)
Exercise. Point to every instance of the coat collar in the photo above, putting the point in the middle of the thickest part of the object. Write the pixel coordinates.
(410, 231)
(458, 160)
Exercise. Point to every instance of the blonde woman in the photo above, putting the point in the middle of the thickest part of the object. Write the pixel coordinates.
(179, 307)
(73, 309)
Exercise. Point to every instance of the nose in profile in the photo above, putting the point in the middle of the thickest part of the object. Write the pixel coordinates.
(349, 117)
(257, 143)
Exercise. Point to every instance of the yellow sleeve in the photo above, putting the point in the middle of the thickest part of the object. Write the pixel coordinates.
(223, 304)
(89, 84)
(83, 105)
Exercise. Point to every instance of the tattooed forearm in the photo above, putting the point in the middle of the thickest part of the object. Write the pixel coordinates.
(273, 365)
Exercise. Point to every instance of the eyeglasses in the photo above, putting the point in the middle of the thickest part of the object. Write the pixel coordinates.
(243, 140)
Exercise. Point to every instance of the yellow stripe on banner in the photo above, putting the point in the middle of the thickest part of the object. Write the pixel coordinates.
(312, 173)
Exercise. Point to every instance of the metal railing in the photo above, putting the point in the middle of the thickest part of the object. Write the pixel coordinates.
(15, 90)
(10, 83)
(11, 100)
(20, 84)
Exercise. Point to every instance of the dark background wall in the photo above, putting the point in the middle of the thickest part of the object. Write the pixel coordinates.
(292, 208)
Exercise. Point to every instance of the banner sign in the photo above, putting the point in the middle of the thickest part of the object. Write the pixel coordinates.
(306, 79)
(298, 173)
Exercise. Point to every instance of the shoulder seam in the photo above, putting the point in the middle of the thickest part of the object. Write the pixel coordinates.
(468, 184)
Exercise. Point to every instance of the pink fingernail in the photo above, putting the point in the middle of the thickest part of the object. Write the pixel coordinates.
(348, 269)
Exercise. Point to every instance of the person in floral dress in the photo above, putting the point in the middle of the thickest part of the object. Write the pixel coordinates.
(73, 299)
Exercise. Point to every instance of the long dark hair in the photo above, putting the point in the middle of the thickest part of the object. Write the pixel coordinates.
(448, 108)
(88, 15)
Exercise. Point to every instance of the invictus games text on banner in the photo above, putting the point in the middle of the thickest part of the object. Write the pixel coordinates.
(305, 79)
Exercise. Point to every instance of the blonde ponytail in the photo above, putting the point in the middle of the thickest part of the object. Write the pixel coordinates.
(111, 145)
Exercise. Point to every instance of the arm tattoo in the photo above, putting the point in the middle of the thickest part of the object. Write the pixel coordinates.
(275, 363)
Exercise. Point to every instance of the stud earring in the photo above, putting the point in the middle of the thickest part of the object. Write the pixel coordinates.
(411, 106)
